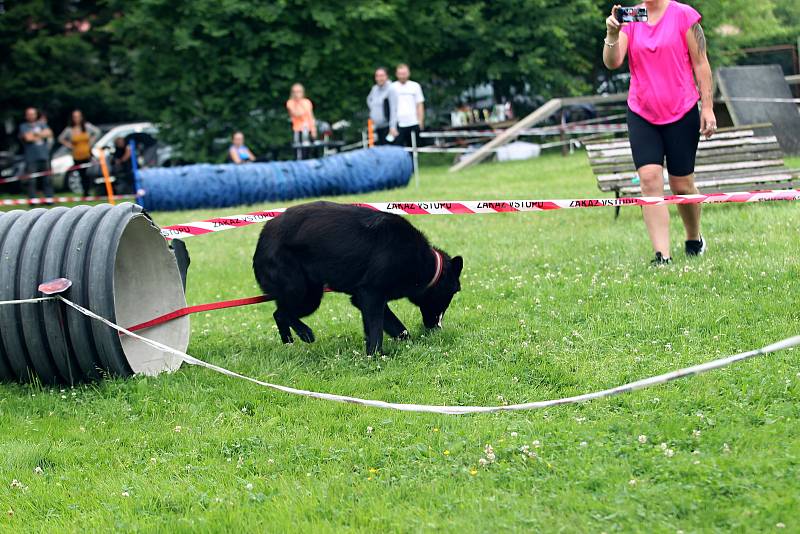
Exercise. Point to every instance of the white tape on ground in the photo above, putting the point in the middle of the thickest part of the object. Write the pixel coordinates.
(459, 410)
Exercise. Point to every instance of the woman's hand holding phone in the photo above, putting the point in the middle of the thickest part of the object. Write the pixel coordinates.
(613, 26)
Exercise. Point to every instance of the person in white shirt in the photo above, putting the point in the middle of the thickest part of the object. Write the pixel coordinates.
(410, 106)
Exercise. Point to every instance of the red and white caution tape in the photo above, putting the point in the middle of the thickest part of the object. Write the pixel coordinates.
(450, 410)
(58, 200)
(477, 207)
(19, 177)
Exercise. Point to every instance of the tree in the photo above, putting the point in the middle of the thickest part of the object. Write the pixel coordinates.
(56, 57)
(206, 68)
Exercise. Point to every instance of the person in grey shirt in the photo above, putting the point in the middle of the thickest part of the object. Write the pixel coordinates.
(35, 136)
(382, 103)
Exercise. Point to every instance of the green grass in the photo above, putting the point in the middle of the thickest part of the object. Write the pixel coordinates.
(553, 304)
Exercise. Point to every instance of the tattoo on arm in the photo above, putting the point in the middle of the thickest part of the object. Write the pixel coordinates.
(700, 36)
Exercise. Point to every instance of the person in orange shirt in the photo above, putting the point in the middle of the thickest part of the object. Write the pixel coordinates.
(79, 137)
(304, 125)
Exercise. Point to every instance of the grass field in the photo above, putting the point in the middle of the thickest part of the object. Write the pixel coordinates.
(553, 304)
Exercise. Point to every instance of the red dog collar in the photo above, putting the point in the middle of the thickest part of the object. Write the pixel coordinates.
(437, 275)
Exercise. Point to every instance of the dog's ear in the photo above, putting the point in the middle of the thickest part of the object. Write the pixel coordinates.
(457, 264)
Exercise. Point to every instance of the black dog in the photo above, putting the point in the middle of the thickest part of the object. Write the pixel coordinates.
(374, 257)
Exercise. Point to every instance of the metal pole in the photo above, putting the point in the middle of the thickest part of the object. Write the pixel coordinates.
(415, 157)
(135, 169)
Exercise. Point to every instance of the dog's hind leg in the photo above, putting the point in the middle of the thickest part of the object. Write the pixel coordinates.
(283, 323)
(303, 308)
(283, 277)
(372, 308)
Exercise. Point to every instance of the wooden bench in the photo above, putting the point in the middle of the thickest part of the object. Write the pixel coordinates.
(745, 158)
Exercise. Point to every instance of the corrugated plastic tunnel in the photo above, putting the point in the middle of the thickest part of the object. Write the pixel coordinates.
(120, 267)
(218, 186)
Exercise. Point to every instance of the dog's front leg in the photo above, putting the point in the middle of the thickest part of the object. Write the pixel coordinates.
(372, 311)
(393, 326)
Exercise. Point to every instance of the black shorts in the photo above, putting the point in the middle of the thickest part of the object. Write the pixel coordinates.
(404, 135)
(677, 142)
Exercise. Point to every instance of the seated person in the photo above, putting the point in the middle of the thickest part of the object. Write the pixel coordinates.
(238, 151)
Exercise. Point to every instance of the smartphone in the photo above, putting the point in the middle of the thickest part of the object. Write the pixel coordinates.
(631, 14)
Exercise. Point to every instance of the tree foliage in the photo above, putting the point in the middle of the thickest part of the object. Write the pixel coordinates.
(50, 61)
(210, 67)
(204, 68)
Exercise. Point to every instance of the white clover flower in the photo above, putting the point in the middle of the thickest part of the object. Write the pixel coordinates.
(125, 494)
(642, 439)
(669, 453)
(632, 482)
(514, 434)
(483, 462)
(38, 470)
(369, 430)
(537, 443)
(663, 446)
(696, 433)
(249, 486)
(583, 444)
(178, 429)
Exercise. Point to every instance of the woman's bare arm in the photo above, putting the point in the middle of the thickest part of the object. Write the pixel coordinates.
(696, 39)
(313, 125)
(615, 47)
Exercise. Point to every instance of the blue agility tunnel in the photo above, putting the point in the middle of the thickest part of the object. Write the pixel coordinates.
(218, 186)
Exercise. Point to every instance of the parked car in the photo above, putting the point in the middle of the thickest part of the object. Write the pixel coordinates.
(11, 164)
(150, 153)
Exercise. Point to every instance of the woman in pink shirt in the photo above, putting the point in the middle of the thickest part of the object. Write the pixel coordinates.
(668, 62)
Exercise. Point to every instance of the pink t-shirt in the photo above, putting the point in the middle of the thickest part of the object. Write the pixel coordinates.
(662, 88)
